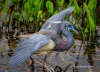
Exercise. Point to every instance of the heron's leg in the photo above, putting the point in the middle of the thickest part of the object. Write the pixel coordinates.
(47, 67)
(30, 62)
(41, 62)
(44, 61)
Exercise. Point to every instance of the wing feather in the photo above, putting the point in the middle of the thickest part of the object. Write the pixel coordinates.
(27, 48)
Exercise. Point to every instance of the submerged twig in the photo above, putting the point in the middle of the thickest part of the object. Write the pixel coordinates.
(51, 56)
(1, 54)
(61, 57)
(90, 69)
(67, 68)
(59, 69)
(50, 69)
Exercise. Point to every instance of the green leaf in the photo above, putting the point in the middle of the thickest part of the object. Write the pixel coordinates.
(39, 14)
(15, 13)
(70, 4)
(92, 4)
(49, 6)
(30, 1)
(6, 3)
(60, 2)
(5, 23)
(4, 10)
(31, 19)
(86, 30)
(55, 12)
(27, 7)
(91, 21)
(15, 1)
(77, 8)
(20, 17)
(86, 8)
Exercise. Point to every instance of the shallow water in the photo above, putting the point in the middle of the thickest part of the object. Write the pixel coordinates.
(81, 57)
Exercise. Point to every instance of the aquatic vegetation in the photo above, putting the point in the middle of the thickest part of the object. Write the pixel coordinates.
(30, 15)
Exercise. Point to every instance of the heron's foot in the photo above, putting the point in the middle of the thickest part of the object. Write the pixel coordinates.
(45, 65)
(30, 62)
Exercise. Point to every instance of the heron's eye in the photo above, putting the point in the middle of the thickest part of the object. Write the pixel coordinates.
(70, 26)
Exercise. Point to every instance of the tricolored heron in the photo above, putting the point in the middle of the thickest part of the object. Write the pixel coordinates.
(47, 39)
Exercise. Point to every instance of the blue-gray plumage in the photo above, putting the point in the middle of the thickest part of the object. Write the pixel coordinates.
(28, 47)
(47, 39)
(68, 42)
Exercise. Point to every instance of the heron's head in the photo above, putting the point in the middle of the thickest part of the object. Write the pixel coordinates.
(66, 24)
(73, 29)
(69, 26)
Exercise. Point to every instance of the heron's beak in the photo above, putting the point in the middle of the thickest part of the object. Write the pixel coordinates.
(73, 29)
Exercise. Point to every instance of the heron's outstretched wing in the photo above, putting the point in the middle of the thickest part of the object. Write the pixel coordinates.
(57, 17)
(50, 23)
(27, 47)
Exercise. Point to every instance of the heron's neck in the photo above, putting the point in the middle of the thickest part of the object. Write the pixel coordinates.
(68, 35)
